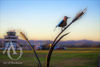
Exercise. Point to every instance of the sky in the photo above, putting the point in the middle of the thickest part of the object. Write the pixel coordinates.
(38, 18)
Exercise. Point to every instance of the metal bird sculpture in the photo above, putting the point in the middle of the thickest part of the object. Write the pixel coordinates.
(63, 23)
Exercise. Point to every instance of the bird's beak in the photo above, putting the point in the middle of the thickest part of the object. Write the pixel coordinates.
(68, 17)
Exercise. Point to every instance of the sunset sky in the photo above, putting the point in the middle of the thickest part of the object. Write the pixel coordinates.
(38, 18)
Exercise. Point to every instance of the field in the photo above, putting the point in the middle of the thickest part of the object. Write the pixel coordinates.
(72, 57)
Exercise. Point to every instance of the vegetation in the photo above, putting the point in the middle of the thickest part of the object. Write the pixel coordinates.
(72, 57)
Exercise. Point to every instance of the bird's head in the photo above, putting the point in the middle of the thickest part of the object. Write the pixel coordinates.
(65, 18)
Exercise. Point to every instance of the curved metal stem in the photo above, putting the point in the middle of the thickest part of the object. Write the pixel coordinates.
(32, 48)
(54, 46)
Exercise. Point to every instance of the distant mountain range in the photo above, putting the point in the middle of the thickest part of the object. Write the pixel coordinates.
(69, 43)
(81, 43)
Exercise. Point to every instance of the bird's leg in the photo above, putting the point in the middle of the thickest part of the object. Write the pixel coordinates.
(62, 28)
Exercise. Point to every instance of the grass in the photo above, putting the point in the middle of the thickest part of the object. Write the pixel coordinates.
(72, 57)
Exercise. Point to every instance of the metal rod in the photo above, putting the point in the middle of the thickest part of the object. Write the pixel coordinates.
(32, 48)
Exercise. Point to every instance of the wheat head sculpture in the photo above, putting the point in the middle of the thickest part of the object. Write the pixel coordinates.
(58, 38)
(23, 35)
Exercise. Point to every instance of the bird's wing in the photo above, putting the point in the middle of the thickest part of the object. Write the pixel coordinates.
(60, 23)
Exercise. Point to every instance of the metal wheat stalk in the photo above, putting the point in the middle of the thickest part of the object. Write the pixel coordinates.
(56, 41)
(32, 48)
